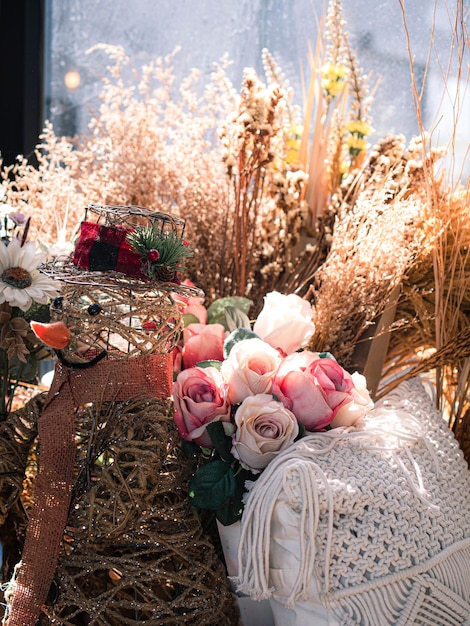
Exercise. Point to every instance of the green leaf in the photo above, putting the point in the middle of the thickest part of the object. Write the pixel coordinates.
(38, 313)
(212, 485)
(326, 355)
(237, 335)
(190, 449)
(229, 514)
(220, 440)
(235, 318)
(189, 318)
(216, 311)
(216, 364)
(232, 510)
(301, 432)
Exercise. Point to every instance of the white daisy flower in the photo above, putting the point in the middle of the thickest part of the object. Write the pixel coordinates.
(21, 283)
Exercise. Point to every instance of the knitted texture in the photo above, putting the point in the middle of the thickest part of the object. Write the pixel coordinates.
(372, 522)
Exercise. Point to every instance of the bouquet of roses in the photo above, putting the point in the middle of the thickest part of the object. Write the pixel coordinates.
(252, 393)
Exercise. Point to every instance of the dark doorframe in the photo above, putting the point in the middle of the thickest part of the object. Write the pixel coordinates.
(21, 76)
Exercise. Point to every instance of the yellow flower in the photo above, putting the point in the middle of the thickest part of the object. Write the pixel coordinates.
(332, 78)
(293, 144)
(333, 72)
(359, 128)
(343, 167)
(356, 144)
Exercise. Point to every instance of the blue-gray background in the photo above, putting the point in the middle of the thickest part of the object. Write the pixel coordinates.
(205, 30)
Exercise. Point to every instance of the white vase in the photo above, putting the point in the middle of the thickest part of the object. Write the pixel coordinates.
(252, 613)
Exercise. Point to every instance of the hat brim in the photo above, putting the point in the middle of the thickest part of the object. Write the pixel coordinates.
(62, 269)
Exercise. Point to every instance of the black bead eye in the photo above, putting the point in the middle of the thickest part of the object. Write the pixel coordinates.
(58, 302)
(94, 309)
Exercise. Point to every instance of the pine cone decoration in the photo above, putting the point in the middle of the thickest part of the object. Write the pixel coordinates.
(164, 273)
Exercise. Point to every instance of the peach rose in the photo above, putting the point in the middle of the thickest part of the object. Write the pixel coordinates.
(264, 427)
(249, 369)
(191, 305)
(195, 306)
(200, 397)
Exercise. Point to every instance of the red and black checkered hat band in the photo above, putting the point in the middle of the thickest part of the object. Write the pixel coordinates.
(103, 248)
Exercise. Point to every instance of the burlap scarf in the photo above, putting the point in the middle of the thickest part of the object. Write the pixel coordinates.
(108, 381)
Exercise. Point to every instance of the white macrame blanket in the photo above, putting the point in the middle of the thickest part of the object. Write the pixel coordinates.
(365, 526)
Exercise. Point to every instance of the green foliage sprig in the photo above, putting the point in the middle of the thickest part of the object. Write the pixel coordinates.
(159, 249)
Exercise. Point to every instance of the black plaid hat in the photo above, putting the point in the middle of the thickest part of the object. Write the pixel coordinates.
(103, 248)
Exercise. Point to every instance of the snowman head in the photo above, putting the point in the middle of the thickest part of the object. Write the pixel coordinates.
(118, 288)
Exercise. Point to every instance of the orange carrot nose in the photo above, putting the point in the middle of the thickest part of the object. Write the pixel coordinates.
(55, 335)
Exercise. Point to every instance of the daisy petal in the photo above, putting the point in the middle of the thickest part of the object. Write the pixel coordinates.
(4, 257)
(17, 297)
(30, 259)
(14, 252)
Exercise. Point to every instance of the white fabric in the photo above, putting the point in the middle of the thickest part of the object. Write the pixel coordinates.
(251, 613)
(364, 526)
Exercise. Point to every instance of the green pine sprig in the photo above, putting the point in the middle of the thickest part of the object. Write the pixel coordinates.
(172, 250)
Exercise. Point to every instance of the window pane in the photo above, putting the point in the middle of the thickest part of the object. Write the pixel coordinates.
(208, 29)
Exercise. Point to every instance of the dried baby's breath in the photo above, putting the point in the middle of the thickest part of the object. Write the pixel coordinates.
(276, 201)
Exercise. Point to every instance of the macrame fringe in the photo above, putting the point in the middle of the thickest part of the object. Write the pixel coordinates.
(388, 428)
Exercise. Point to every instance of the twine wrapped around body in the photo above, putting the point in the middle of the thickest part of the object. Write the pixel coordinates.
(108, 381)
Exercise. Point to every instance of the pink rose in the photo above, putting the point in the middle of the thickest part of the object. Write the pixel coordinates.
(249, 369)
(177, 357)
(313, 388)
(191, 305)
(348, 414)
(264, 427)
(202, 342)
(195, 306)
(200, 397)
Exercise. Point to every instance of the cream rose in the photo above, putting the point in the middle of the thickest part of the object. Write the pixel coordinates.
(285, 322)
(361, 402)
(264, 427)
(249, 369)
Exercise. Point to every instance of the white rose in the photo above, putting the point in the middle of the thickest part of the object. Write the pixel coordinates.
(264, 427)
(249, 369)
(285, 322)
(361, 403)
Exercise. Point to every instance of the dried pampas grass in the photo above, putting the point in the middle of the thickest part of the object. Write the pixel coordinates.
(375, 243)
(276, 200)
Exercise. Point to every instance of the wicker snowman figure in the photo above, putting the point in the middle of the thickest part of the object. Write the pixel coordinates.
(110, 539)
